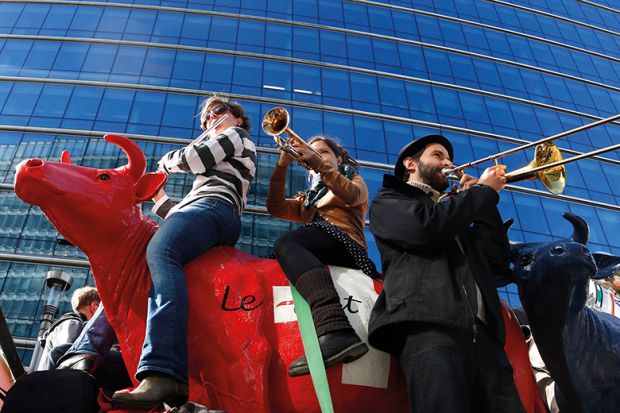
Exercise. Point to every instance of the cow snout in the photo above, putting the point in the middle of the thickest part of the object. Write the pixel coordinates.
(34, 163)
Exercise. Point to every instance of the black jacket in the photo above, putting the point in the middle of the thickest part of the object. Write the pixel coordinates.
(425, 273)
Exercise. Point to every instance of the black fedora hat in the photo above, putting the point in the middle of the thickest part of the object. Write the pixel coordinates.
(417, 145)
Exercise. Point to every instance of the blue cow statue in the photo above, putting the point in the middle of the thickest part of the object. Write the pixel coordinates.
(580, 346)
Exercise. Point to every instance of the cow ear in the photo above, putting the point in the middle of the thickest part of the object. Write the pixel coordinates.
(607, 264)
(148, 185)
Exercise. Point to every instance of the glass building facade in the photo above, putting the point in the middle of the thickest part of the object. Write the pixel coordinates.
(489, 75)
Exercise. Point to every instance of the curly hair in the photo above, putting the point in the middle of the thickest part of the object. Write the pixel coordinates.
(337, 148)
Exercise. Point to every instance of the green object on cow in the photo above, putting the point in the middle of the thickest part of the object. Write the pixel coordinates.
(313, 352)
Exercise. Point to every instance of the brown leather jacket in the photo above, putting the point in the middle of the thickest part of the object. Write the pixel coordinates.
(344, 205)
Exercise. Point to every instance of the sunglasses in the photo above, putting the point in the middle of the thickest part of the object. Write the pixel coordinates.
(216, 110)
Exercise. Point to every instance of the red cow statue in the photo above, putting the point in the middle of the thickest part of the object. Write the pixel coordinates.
(242, 333)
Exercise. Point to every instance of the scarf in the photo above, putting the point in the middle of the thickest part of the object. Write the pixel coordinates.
(318, 189)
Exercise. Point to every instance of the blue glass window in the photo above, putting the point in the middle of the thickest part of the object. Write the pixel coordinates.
(86, 18)
(148, 108)
(42, 55)
(499, 111)
(359, 48)
(196, 27)
(332, 44)
(421, 101)
(33, 15)
(113, 20)
(525, 117)
(306, 82)
(412, 60)
(168, 24)
(381, 21)
(13, 55)
(141, 21)
(279, 37)
(462, 67)
(100, 58)
(218, 69)
(369, 134)
(386, 55)
(71, 57)
(278, 75)
(223, 32)
(22, 99)
(180, 111)
(475, 112)
(487, 74)
(53, 101)
(305, 42)
(364, 88)
(9, 13)
(129, 60)
(447, 102)
(59, 17)
(188, 65)
(84, 103)
(251, 33)
(340, 125)
(115, 105)
(248, 72)
(428, 28)
(158, 63)
(437, 63)
(336, 85)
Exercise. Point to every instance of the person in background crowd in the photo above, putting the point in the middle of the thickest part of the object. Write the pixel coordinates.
(63, 332)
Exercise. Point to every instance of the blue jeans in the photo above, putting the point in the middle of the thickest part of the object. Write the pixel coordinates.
(183, 236)
(96, 338)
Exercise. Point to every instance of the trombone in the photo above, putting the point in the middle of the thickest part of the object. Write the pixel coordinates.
(547, 165)
(275, 123)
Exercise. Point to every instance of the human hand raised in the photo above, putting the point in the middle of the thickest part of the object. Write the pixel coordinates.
(494, 176)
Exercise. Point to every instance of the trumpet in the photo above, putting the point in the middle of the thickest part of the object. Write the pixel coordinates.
(547, 165)
(275, 123)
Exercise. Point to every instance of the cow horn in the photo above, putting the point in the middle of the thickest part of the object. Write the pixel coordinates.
(137, 162)
(65, 158)
(581, 231)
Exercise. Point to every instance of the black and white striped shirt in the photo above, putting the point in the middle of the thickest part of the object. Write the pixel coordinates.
(224, 167)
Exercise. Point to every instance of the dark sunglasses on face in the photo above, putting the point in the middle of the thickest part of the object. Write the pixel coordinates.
(216, 110)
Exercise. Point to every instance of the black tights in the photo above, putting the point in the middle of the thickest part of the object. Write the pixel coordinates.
(307, 248)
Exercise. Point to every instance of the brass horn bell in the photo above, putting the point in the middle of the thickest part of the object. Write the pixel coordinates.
(553, 178)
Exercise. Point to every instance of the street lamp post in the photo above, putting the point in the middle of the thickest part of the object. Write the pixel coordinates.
(58, 282)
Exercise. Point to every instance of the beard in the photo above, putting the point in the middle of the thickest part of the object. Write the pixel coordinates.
(433, 177)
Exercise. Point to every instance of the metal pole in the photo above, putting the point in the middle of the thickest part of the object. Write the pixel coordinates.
(57, 281)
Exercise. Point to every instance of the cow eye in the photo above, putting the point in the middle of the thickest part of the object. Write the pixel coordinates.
(103, 176)
(558, 249)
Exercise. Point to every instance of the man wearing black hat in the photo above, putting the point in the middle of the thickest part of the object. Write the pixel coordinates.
(439, 312)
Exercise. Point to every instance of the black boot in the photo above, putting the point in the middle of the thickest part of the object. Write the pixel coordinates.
(82, 361)
(342, 346)
(337, 339)
(153, 391)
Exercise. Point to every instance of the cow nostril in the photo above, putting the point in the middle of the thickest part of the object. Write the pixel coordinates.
(557, 250)
(33, 163)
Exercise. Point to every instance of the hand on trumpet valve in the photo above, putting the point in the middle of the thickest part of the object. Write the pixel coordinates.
(494, 176)
(286, 159)
(304, 150)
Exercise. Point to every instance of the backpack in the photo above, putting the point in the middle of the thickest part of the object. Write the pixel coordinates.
(53, 391)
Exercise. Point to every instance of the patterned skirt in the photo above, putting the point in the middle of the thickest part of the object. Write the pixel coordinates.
(356, 251)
